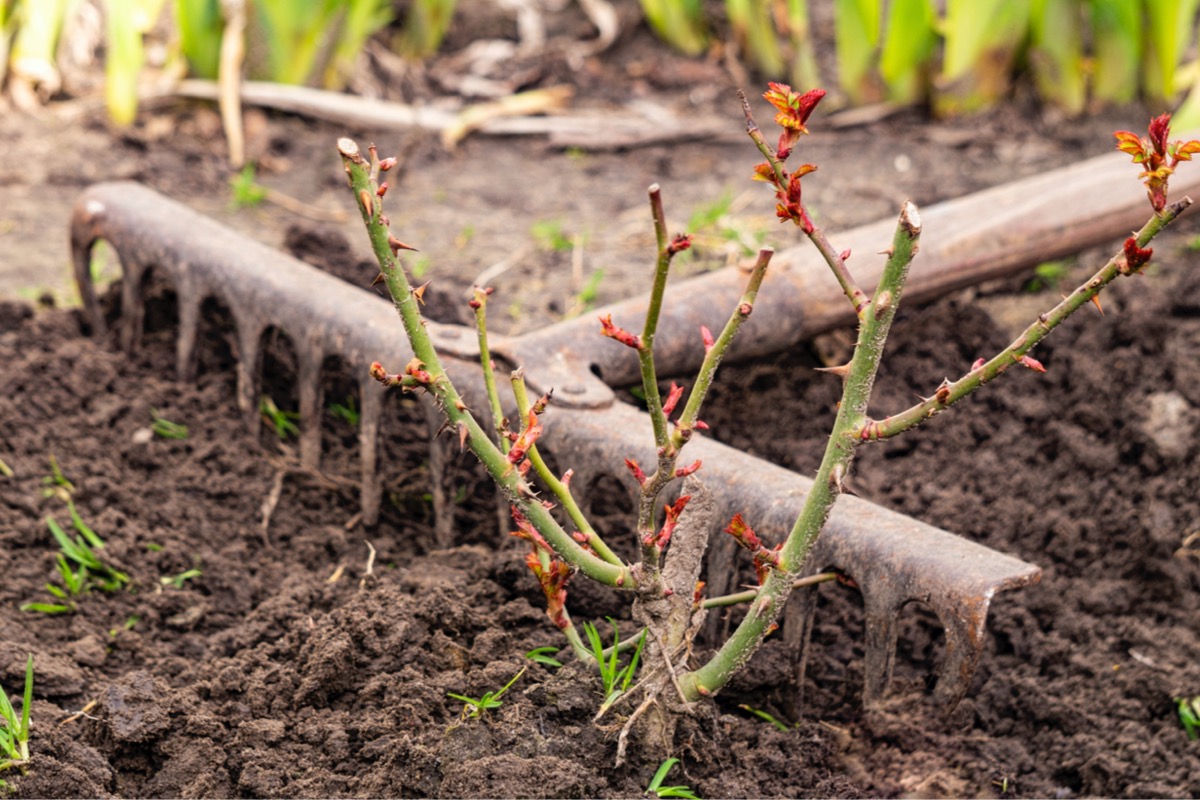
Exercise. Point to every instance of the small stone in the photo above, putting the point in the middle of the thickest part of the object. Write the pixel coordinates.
(1171, 423)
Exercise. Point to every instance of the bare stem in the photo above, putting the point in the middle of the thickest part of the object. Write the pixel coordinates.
(364, 181)
(650, 326)
(479, 305)
(712, 359)
(948, 394)
(559, 488)
(752, 594)
(874, 326)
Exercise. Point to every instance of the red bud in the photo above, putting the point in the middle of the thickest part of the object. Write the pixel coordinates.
(1136, 258)
(607, 328)
(1031, 363)
(672, 399)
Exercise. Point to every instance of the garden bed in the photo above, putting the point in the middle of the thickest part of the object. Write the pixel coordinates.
(283, 668)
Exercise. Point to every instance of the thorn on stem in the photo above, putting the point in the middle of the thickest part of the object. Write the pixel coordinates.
(398, 245)
(841, 370)
(419, 292)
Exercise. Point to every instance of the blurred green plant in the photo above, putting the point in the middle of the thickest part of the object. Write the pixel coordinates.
(473, 707)
(246, 190)
(1047, 275)
(127, 21)
(35, 27)
(544, 656)
(550, 235)
(178, 580)
(424, 28)
(14, 730)
(283, 423)
(909, 45)
(766, 716)
(964, 54)
(1188, 709)
(679, 23)
(656, 783)
(90, 571)
(164, 428)
(347, 412)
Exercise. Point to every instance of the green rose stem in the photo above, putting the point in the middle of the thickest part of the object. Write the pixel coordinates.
(752, 594)
(859, 378)
(949, 393)
(712, 359)
(479, 306)
(669, 443)
(561, 489)
(364, 180)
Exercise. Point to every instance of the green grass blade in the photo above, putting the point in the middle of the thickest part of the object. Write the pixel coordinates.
(362, 19)
(908, 46)
(8, 714)
(631, 670)
(857, 37)
(679, 23)
(754, 30)
(48, 608)
(982, 39)
(611, 674)
(75, 550)
(424, 28)
(36, 41)
(23, 732)
(72, 580)
(88, 534)
(661, 774)
(594, 641)
(1056, 52)
(1116, 49)
(1169, 26)
(200, 26)
(802, 58)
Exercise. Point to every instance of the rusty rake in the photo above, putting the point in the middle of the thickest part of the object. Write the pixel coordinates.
(894, 559)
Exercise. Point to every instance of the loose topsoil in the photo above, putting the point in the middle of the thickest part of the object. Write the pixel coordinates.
(292, 665)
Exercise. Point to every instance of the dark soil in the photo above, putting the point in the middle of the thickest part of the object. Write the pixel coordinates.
(285, 669)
